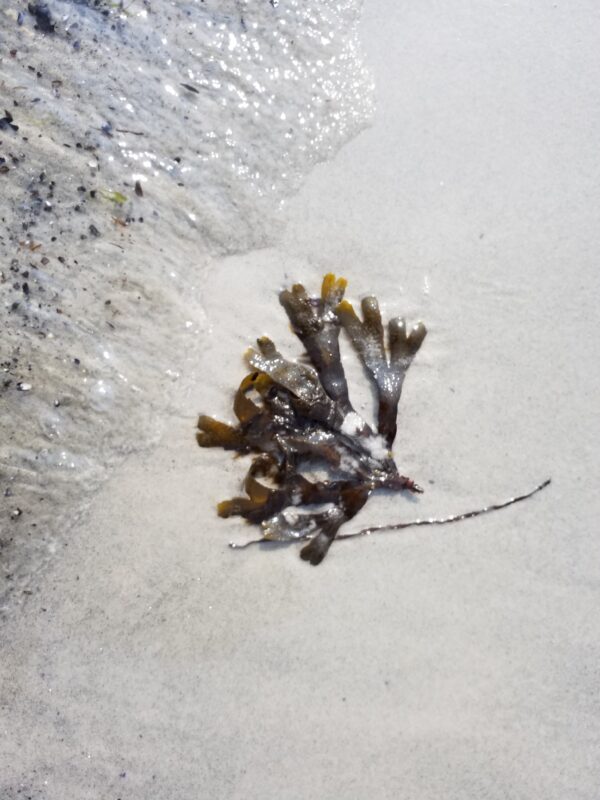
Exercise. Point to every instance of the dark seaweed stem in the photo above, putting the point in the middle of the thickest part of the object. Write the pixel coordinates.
(446, 520)
(419, 522)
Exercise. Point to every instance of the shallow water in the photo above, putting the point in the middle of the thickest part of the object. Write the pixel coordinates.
(140, 142)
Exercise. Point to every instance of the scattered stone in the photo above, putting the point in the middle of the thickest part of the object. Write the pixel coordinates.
(43, 17)
(7, 122)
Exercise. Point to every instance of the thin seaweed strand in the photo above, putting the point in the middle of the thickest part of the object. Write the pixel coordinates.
(413, 523)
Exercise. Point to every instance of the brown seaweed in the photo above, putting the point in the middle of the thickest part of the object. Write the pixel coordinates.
(297, 418)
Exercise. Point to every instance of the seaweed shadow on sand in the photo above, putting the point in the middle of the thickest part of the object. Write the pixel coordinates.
(297, 418)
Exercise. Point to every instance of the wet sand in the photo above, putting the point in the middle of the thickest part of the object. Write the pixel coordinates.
(151, 661)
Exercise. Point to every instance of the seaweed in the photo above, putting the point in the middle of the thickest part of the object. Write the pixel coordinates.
(297, 418)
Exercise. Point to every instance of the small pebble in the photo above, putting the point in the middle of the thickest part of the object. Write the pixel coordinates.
(43, 17)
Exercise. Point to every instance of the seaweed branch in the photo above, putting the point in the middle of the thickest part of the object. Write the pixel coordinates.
(387, 373)
(298, 418)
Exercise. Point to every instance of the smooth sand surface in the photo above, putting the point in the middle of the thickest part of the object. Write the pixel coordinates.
(459, 662)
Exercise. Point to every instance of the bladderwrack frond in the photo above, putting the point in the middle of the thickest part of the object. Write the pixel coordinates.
(372, 332)
(301, 381)
(238, 507)
(327, 523)
(404, 345)
(213, 433)
(315, 551)
(386, 372)
(244, 408)
(332, 290)
(300, 310)
(315, 323)
(368, 341)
